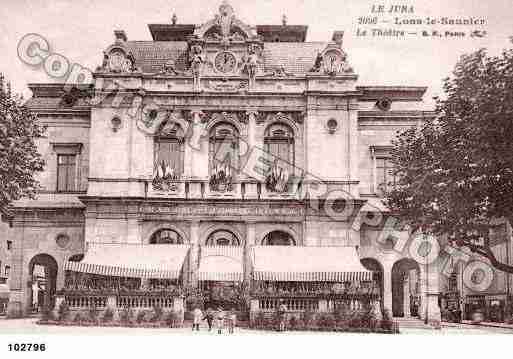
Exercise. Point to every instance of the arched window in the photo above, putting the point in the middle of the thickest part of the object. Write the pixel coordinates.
(279, 143)
(222, 238)
(224, 148)
(169, 143)
(166, 236)
(278, 238)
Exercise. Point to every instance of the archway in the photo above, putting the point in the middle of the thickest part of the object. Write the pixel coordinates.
(166, 236)
(278, 238)
(43, 274)
(377, 268)
(222, 237)
(405, 288)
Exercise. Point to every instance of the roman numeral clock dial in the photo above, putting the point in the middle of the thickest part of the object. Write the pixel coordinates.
(225, 62)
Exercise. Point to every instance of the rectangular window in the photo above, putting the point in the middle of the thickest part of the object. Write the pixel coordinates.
(9, 245)
(384, 174)
(281, 155)
(170, 156)
(66, 173)
(7, 271)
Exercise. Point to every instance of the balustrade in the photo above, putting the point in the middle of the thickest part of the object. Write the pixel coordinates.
(86, 301)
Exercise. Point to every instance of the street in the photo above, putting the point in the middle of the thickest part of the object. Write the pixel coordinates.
(29, 326)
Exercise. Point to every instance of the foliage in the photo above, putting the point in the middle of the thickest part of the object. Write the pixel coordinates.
(172, 319)
(344, 319)
(19, 158)
(125, 316)
(157, 314)
(92, 314)
(63, 311)
(108, 315)
(454, 174)
(46, 313)
(78, 318)
(141, 317)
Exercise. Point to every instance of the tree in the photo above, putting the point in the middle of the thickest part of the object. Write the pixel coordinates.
(19, 158)
(454, 173)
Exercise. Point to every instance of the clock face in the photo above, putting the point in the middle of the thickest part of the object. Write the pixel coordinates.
(225, 62)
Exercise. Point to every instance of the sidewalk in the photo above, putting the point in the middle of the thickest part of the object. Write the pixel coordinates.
(482, 324)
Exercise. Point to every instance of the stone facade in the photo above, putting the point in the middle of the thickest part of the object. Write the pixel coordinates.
(221, 72)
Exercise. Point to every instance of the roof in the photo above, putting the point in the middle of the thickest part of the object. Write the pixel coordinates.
(295, 57)
(132, 260)
(221, 263)
(171, 32)
(282, 33)
(308, 263)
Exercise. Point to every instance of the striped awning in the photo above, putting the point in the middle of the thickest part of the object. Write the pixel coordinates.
(160, 261)
(221, 263)
(4, 291)
(308, 264)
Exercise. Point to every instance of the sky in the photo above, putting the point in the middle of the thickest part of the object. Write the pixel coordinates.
(81, 29)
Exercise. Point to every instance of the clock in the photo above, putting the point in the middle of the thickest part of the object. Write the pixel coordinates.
(225, 62)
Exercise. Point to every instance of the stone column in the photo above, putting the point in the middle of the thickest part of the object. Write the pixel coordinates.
(248, 245)
(434, 316)
(112, 305)
(250, 187)
(196, 154)
(352, 108)
(20, 294)
(387, 288)
(59, 299)
(194, 255)
(323, 306)
(406, 296)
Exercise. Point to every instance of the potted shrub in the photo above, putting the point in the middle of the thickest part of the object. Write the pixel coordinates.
(78, 318)
(92, 314)
(125, 316)
(156, 315)
(63, 312)
(141, 317)
(108, 316)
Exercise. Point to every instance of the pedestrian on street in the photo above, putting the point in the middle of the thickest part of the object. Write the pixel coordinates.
(282, 310)
(220, 316)
(232, 321)
(197, 317)
(209, 316)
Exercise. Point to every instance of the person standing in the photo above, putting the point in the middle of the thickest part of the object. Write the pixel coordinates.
(282, 310)
(220, 315)
(209, 316)
(197, 317)
(232, 321)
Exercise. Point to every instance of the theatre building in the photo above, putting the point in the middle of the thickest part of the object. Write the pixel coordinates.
(221, 163)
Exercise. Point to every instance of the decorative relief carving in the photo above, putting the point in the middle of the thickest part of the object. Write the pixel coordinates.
(225, 210)
(279, 72)
(118, 60)
(332, 61)
(226, 86)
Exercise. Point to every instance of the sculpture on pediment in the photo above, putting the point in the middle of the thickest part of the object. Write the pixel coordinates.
(332, 61)
(197, 60)
(251, 60)
(118, 60)
(279, 71)
(225, 27)
(224, 19)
